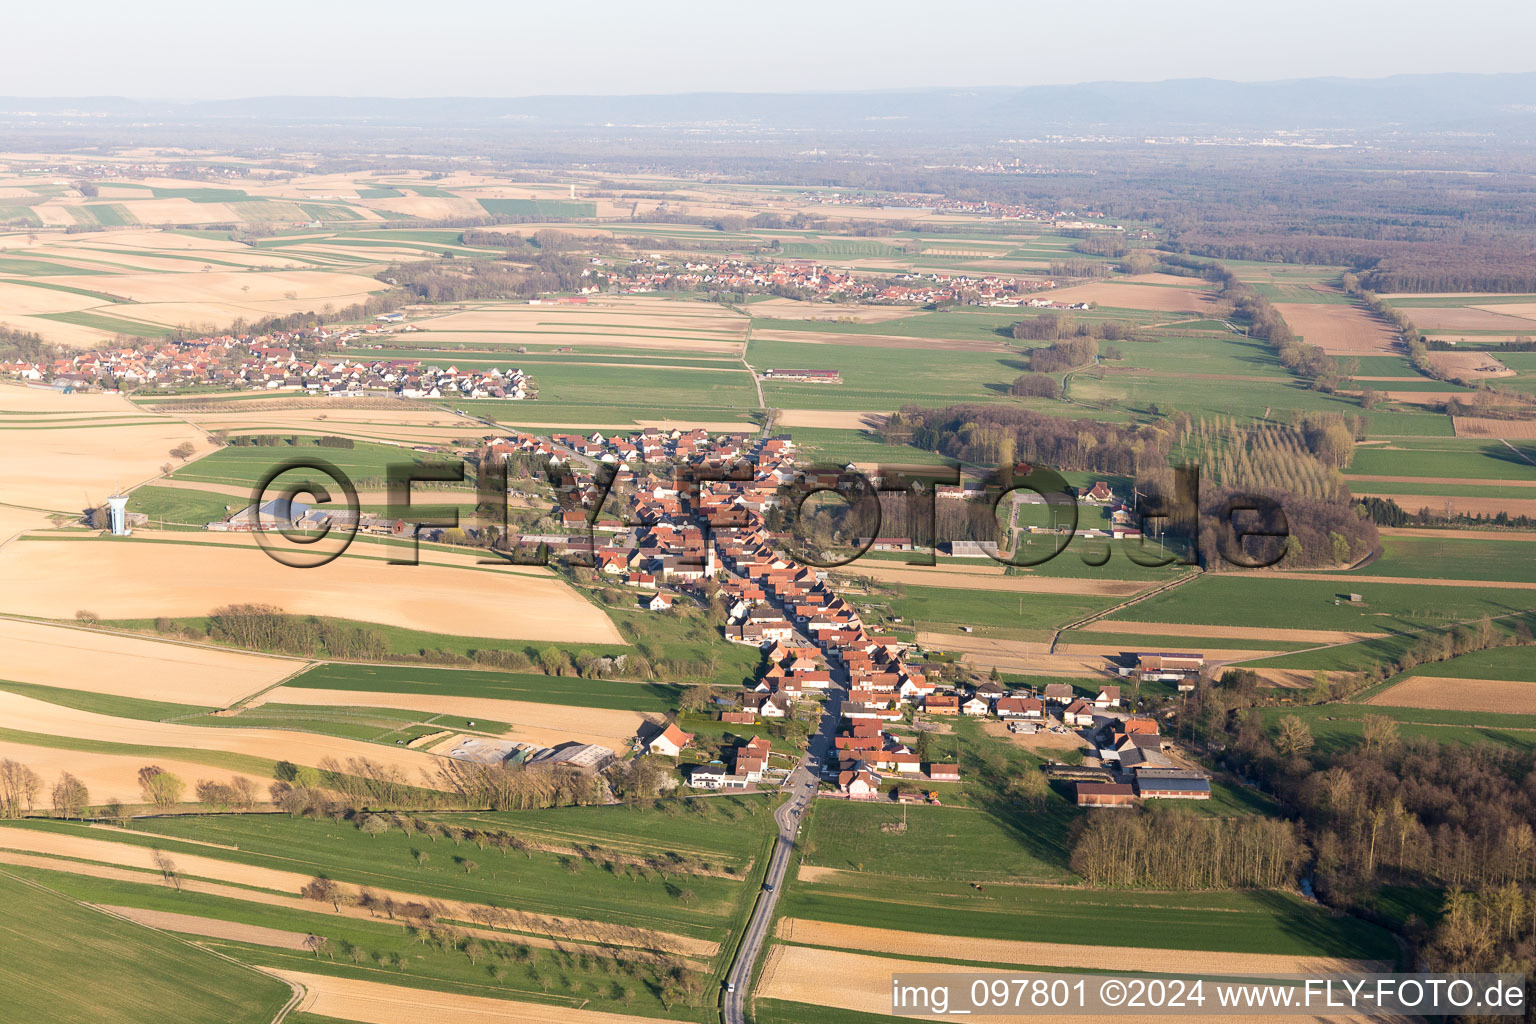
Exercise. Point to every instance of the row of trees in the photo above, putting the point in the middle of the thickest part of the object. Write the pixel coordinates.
(1058, 326)
(998, 435)
(1168, 848)
(266, 628)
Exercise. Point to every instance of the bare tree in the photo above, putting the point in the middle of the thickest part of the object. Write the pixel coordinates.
(19, 786)
(70, 796)
(167, 868)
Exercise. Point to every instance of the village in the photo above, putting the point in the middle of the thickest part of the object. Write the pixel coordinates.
(697, 534)
(301, 362)
(807, 279)
(678, 516)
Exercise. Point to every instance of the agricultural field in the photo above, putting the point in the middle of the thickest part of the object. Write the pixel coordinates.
(68, 960)
(140, 578)
(389, 875)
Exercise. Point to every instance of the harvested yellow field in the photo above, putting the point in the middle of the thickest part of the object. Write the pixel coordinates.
(114, 776)
(1477, 426)
(28, 715)
(1150, 292)
(211, 927)
(1310, 636)
(1495, 317)
(51, 462)
(881, 341)
(861, 982)
(229, 286)
(1491, 505)
(544, 724)
(373, 1002)
(963, 578)
(1338, 328)
(26, 300)
(129, 666)
(796, 309)
(842, 419)
(1469, 365)
(1369, 478)
(341, 417)
(15, 521)
(1452, 693)
(1053, 954)
(72, 335)
(1411, 531)
(134, 579)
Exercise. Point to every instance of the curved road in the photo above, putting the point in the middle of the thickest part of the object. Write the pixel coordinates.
(801, 785)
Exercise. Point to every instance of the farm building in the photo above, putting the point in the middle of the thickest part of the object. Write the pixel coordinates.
(1162, 667)
(586, 757)
(1104, 794)
(1172, 785)
(1059, 693)
(670, 741)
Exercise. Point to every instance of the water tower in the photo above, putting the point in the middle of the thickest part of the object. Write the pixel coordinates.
(117, 514)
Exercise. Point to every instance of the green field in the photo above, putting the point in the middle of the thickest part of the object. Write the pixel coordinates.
(989, 612)
(187, 507)
(1336, 727)
(569, 690)
(132, 328)
(67, 962)
(1232, 922)
(727, 835)
(1239, 599)
(1450, 458)
(247, 464)
(940, 843)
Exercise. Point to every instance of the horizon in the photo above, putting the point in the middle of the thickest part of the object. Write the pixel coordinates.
(477, 49)
(892, 90)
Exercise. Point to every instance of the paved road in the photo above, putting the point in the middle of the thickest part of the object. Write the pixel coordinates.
(801, 785)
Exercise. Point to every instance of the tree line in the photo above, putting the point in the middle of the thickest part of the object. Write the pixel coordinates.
(1173, 848)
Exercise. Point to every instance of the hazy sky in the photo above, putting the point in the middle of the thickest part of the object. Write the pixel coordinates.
(218, 49)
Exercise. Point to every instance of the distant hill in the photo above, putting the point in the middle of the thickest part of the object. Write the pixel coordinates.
(1410, 103)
